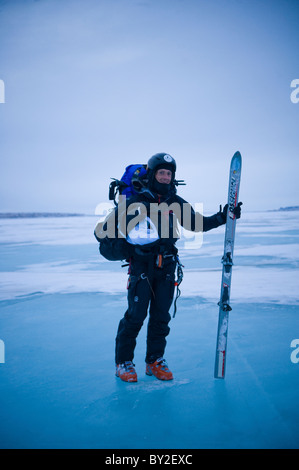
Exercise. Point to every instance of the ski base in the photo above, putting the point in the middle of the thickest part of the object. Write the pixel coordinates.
(227, 264)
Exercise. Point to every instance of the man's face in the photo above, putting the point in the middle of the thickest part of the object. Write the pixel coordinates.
(163, 176)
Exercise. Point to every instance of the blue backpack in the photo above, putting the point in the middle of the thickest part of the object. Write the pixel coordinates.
(130, 182)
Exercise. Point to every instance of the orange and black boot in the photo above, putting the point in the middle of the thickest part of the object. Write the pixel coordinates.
(126, 372)
(159, 369)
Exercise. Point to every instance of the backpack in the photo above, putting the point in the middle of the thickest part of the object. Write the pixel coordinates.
(113, 249)
(130, 183)
(118, 249)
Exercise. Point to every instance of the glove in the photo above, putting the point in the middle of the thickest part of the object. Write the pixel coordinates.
(236, 211)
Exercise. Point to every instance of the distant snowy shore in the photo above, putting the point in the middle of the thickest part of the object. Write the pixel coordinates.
(288, 208)
(30, 215)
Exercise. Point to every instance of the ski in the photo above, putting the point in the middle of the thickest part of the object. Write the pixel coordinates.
(227, 263)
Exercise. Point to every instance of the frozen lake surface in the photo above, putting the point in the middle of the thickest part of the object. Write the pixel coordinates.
(60, 307)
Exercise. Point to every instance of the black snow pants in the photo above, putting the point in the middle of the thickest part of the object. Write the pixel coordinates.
(149, 286)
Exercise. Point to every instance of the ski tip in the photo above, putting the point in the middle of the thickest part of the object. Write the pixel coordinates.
(237, 154)
(236, 161)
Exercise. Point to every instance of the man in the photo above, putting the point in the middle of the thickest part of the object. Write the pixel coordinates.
(152, 268)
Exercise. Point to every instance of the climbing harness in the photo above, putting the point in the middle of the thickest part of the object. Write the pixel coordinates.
(159, 263)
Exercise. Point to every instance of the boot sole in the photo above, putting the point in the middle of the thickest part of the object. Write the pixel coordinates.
(150, 374)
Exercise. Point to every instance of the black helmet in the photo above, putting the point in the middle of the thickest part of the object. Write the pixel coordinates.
(157, 161)
(162, 160)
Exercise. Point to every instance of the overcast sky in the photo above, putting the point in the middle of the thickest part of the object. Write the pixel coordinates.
(94, 85)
